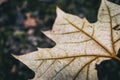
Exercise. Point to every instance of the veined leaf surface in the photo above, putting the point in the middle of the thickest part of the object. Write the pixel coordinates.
(80, 45)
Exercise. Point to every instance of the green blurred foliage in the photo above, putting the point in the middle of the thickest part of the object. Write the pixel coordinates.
(14, 37)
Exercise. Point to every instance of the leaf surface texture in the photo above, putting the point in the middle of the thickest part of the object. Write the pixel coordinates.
(80, 45)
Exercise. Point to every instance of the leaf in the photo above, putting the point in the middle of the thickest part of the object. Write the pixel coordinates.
(80, 45)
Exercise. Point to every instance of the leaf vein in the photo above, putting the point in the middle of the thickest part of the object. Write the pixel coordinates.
(84, 67)
(109, 52)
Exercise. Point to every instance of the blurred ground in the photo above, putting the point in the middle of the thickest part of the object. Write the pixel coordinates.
(21, 23)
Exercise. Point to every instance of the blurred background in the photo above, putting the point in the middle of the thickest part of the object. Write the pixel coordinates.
(21, 23)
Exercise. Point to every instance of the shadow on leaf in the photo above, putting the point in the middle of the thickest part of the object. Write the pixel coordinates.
(109, 69)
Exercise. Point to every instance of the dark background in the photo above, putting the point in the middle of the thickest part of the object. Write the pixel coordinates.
(14, 37)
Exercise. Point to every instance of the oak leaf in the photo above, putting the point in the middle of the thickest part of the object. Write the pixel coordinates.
(80, 45)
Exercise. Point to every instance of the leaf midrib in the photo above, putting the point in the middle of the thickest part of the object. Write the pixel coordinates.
(109, 52)
(111, 30)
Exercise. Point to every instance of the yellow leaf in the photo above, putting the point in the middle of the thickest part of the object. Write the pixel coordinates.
(80, 45)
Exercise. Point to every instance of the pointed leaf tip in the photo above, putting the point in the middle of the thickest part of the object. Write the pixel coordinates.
(59, 11)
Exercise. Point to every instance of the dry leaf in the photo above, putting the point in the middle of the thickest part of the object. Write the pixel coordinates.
(80, 45)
